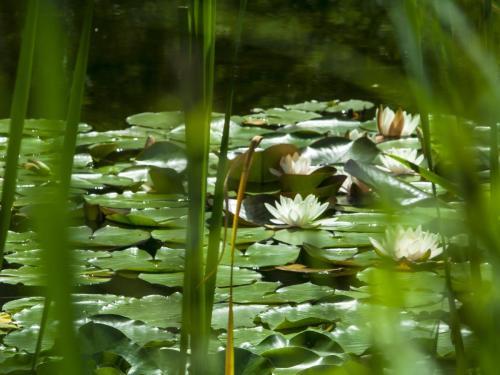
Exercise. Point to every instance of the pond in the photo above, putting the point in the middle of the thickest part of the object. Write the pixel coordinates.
(352, 240)
(292, 52)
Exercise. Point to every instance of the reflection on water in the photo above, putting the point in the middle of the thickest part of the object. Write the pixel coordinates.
(292, 51)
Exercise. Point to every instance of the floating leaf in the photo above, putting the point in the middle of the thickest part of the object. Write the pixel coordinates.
(157, 120)
(107, 236)
(310, 105)
(388, 186)
(350, 105)
(334, 150)
(241, 277)
(244, 315)
(164, 154)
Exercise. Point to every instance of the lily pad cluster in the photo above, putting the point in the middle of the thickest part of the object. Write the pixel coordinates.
(318, 258)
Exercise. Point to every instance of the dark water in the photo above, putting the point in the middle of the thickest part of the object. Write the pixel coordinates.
(292, 50)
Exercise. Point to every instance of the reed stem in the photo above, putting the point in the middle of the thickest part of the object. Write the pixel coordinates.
(17, 117)
(53, 218)
(200, 53)
(214, 239)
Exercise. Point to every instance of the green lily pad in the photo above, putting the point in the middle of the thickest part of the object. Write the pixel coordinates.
(335, 255)
(245, 363)
(138, 332)
(26, 338)
(266, 293)
(290, 356)
(42, 127)
(107, 236)
(316, 341)
(96, 181)
(154, 310)
(159, 217)
(333, 127)
(298, 138)
(280, 116)
(35, 276)
(334, 150)
(244, 315)
(240, 135)
(241, 277)
(245, 235)
(264, 255)
(252, 293)
(418, 280)
(298, 237)
(134, 259)
(303, 315)
(310, 105)
(166, 181)
(354, 105)
(157, 120)
(134, 200)
(164, 154)
(300, 293)
(389, 187)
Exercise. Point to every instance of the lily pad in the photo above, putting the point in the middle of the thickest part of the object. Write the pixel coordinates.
(244, 315)
(157, 120)
(107, 236)
(264, 255)
(134, 200)
(134, 259)
(389, 187)
(354, 105)
(334, 150)
(241, 277)
(164, 154)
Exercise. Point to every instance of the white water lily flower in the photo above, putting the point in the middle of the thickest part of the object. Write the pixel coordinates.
(410, 244)
(297, 212)
(294, 164)
(396, 124)
(397, 167)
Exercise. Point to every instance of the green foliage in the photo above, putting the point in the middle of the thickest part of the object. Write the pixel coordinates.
(115, 218)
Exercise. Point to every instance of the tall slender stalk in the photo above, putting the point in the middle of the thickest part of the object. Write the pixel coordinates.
(53, 217)
(17, 116)
(411, 36)
(214, 239)
(229, 364)
(198, 108)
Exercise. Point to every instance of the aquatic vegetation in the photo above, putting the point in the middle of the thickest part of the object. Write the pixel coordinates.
(411, 244)
(397, 167)
(396, 124)
(328, 268)
(297, 212)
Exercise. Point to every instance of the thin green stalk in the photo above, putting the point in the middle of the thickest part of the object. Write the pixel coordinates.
(184, 42)
(229, 363)
(411, 36)
(214, 239)
(53, 218)
(41, 333)
(17, 116)
(198, 109)
(76, 101)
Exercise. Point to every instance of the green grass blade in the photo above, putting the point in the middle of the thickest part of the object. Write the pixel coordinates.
(198, 109)
(53, 218)
(217, 208)
(17, 116)
(229, 363)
